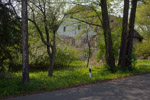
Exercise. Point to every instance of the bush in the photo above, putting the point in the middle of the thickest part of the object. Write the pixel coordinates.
(6, 75)
(101, 51)
(65, 56)
(116, 39)
(39, 59)
(143, 49)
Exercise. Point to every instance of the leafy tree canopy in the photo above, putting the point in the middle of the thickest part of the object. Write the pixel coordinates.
(143, 18)
(10, 36)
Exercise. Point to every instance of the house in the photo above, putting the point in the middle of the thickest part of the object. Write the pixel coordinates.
(71, 29)
(71, 32)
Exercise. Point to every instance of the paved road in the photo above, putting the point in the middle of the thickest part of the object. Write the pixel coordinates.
(132, 88)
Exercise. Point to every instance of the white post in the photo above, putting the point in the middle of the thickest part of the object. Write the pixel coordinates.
(90, 75)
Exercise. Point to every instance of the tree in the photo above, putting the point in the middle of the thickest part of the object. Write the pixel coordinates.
(130, 36)
(143, 27)
(47, 16)
(143, 19)
(89, 47)
(94, 19)
(86, 33)
(122, 56)
(110, 60)
(25, 52)
(10, 37)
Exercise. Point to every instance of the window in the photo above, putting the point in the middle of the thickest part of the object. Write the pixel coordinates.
(64, 28)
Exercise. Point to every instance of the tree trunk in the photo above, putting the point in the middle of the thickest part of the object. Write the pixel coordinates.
(25, 52)
(89, 51)
(110, 60)
(130, 36)
(52, 56)
(122, 56)
(89, 55)
(52, 59)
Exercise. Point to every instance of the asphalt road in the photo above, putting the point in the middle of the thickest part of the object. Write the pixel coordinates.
(132, 88)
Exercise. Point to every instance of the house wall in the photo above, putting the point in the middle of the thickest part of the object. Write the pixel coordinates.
(71, 29)
(71, 32)
(81, 42)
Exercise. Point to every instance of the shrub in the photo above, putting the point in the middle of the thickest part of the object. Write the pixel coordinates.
(116, 39)
(143, 49)
(65, 56)
(39, 59)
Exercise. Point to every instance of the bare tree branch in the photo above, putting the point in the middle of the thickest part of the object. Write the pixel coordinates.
(38, 29)
(86, 22)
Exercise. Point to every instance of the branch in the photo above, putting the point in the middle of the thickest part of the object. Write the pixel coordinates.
(96, 13)
(61, 21)
(37, 6)
(86, 22)
(93, 9)
(38, 29)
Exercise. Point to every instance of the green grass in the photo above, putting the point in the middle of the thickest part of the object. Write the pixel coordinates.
(63, 78)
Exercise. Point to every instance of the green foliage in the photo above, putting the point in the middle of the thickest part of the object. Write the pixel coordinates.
(101, 50)
(143, 18)
(143, 49)
(64, 78)
(65, 56)
(86, 14)
(116, 38)
(6, 75)
(10, 37)
(141, 66)
(39, 60)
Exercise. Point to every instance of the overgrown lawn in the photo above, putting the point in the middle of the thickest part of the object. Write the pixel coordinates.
(77, 74)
